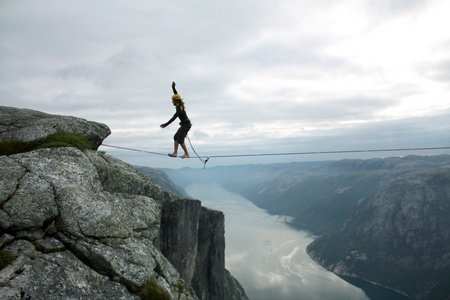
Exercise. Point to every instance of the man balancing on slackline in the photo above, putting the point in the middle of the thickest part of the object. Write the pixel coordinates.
(185, 124)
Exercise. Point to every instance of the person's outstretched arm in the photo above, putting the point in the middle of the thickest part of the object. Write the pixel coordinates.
(170, 121)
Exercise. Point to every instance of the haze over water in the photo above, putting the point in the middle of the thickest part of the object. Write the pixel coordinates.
(267, 256)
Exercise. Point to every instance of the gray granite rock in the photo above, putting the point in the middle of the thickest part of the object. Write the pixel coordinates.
(85, 225)
(29, 125)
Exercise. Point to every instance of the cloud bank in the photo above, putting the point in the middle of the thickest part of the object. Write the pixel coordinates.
(257, 77)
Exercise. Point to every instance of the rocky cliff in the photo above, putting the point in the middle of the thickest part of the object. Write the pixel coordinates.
(399, 237)
(79, 224)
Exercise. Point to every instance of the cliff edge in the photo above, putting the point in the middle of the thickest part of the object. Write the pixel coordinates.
(79, 224)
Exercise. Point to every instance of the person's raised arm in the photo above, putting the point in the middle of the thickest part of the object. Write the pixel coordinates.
(173, 88)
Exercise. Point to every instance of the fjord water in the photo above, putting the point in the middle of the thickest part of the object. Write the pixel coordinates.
(267, 256)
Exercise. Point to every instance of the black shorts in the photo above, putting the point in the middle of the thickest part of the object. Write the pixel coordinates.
(181, 133)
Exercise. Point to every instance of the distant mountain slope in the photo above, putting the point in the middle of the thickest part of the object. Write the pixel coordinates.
(317, 200)
(239, 176)
(398, 237)
(322, 196)
(161, 178)
(404, 163)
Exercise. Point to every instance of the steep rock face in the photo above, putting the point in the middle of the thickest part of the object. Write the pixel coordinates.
(399, 237)
(29, 125)
(201, 252)
(84, 225)
(410, 210)
(211, 250)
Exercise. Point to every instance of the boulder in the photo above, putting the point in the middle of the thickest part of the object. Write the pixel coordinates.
(10, 174)
(29, 125)
(32, 204)
(37, 274)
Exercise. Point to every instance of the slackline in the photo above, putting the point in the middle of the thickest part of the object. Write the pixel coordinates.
(205, 159)
(332, 152)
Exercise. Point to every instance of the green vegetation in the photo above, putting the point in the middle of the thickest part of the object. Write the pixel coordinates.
(59, 139)
(182, 288)
(6, 258)
(151, 290)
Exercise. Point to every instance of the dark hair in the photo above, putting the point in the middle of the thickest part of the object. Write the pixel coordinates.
(180, 102)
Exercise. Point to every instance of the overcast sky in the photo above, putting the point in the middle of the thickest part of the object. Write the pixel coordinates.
(256, 76)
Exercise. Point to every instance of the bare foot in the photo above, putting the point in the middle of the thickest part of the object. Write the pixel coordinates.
(172, 155)
(185, 156)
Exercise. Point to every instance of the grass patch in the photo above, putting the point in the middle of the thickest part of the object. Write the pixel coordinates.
(59, 139)
(13, 146)
(152, 291)
(6, 258)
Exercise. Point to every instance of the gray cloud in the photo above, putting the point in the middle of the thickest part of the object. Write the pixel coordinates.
(386, 7)
(275, 76)
(436, 70)
(117, 71)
